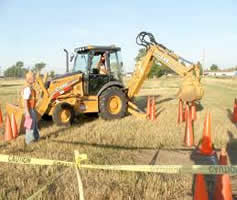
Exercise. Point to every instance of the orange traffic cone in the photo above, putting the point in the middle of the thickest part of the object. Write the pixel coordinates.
(188, 138)
(200, 191)
(1, 121)
(8, 129)
(186, 111)
(153, 109)
(235, 111)
(14, 126)
(180, 112)
(223, 189)
(206, 143)
(193, 111)
(148, 110)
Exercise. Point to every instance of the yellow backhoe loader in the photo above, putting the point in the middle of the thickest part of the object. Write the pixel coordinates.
(86, 90)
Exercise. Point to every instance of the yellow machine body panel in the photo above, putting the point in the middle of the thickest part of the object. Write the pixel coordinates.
(60, 83)
(87, 104)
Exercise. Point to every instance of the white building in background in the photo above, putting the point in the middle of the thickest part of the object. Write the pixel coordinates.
(221, 74)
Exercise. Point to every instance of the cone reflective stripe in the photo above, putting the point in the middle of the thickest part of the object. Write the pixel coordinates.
(200, 190)
(8, 129)
(189, 137)
(223, 188)
(235, 111)
(14, 126)
(180, 112)
(1, 121)
(193, 111)
(206, 143)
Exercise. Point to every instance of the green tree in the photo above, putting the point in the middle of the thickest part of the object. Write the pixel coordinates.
(141, 53)
(16, 70)
(157, 69)
(214, 67)
(38, 67)
(201, 68)
(52, 74)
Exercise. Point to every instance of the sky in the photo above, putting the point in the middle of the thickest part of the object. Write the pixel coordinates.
(38, 31)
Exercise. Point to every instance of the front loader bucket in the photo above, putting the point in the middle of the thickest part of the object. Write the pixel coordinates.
(19, 115)
(191, 89)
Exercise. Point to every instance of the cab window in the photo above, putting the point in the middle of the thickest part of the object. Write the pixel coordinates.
(115, 64)
(94, 61)
(81, 62)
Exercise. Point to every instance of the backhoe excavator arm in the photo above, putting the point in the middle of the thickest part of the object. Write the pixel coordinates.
(190, 90)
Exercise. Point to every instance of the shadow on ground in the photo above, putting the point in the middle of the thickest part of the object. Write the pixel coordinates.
(230, 116)
(141, 101)
(232, 152)
(232, 148)
(199, 106)
(47, 121)
(78, 121)
(117, 147)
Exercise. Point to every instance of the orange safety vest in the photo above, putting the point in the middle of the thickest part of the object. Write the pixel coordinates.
(32, 99)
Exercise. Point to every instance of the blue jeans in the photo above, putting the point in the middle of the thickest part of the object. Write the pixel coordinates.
(33, 133)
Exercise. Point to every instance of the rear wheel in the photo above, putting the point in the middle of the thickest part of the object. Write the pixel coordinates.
(46, 117)
(63, 114)
(112, 103)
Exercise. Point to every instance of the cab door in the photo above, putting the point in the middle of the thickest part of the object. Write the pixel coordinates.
(81, 66)
(97, 80)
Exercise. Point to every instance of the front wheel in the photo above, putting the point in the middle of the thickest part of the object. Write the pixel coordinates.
(112, 104)
(63, 114)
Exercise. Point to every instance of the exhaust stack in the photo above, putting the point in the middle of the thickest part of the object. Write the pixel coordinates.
(67, 60)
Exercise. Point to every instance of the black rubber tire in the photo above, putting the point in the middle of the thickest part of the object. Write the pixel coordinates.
(58, 109)
(104, 111)
(46, 117)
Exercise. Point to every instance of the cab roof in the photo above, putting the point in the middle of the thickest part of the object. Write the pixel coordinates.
(88, 48)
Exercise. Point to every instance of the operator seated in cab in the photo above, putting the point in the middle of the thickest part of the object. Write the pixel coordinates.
(101, 65)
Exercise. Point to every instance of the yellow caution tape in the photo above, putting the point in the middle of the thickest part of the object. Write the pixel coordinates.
(33, 161)
(168, 169)
(80, 158)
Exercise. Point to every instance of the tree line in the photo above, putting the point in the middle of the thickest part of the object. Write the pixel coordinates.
(18, 70)
(215, 67)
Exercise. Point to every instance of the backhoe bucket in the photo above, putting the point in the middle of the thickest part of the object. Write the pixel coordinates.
(19, 115)
(191, 89)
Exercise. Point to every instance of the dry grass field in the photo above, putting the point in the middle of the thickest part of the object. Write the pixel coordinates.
(127, 141)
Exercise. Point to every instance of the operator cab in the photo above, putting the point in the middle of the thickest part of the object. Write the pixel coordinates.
(88, 60)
